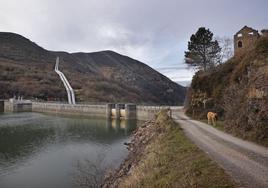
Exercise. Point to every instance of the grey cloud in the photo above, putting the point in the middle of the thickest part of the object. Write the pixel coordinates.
(153, 31)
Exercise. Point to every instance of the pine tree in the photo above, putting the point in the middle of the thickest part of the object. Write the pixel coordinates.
(203, 52)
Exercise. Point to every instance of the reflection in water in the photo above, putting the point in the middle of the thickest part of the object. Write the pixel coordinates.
(16, 143)
(121, 125)
(38, 149)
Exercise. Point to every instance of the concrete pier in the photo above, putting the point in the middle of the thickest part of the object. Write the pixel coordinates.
(119, 108)
(109, 108)
(2, 106)
(17, 106)
(121, 111)
(131, 111)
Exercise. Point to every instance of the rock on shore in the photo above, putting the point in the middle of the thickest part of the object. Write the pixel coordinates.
(141, 137)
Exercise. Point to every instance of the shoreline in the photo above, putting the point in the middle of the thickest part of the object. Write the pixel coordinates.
(136, 148)
(160, 155)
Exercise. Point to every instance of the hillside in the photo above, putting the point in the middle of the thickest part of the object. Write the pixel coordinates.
(238, 91)
(27, 69)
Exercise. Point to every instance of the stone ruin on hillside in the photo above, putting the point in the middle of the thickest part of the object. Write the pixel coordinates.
(246, 37)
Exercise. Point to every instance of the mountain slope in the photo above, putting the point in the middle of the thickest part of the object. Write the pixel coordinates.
(27, 69)
(238, 91)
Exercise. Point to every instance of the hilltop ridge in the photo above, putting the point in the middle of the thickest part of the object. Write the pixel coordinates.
(28, 69)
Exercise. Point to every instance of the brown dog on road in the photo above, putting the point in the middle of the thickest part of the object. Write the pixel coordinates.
(212, 118)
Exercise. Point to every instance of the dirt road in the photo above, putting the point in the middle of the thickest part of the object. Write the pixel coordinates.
(246, 162)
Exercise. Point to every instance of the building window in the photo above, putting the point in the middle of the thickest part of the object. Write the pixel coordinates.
(239, 44)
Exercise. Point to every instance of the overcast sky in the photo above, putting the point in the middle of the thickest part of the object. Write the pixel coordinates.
(152, 31)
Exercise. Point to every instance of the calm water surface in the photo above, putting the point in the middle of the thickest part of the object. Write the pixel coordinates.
(41, 151)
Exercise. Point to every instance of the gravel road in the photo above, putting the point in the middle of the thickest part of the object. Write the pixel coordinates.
(245, 161)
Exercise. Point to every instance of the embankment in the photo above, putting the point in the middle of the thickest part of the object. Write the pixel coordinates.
(161, 156)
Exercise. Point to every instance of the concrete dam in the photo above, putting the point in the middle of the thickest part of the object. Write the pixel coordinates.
(110, 110)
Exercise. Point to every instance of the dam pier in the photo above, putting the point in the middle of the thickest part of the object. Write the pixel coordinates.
(121, 111)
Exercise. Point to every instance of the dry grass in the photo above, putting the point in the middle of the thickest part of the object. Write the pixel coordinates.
(171, 160)
(219, 124)
(230, 88)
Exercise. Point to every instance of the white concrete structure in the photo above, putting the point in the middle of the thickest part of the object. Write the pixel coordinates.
(69, 89)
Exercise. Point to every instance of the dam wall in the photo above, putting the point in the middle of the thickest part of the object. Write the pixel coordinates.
(17, 106)
(148, 112)
(83, 110)
(111, 111)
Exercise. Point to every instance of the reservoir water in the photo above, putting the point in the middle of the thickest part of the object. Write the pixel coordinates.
(41, 151)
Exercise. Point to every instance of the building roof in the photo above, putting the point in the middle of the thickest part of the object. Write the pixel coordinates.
(247, 28)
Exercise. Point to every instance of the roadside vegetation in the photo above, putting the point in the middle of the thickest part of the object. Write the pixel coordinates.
(170, 159)
(219, 124)
(237, 91)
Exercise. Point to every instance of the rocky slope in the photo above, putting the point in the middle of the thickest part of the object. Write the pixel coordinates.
(27, 69)
(238, 91)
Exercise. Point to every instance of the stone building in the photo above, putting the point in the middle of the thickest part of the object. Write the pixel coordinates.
(244, 39)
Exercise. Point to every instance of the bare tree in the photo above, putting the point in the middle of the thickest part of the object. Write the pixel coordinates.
(227, 49)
